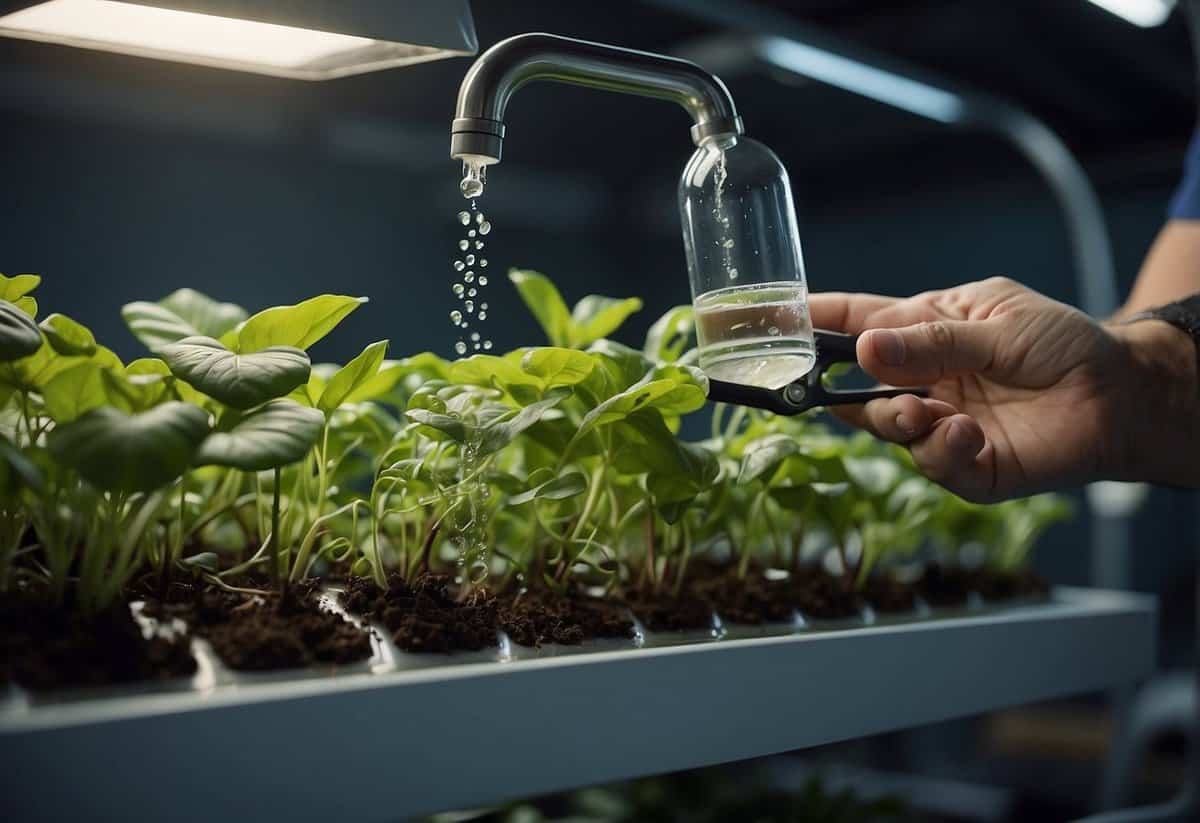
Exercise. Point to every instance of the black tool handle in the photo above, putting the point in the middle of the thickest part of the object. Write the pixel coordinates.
(809, 391)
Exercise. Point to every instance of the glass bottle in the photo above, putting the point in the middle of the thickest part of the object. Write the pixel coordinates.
(745, 265)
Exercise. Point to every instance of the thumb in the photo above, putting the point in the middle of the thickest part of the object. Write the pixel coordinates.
(928, 352)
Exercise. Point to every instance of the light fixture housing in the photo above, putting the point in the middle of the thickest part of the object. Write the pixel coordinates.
(301, 39)
(1144, 13)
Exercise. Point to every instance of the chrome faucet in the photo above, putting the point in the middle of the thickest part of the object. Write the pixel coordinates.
(477, 133)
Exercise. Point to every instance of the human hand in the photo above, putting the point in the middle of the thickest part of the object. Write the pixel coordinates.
(1026, 393)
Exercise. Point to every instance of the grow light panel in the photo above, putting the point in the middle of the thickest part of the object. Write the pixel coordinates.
(264, 46)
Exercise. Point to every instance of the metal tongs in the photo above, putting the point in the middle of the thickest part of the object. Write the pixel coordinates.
(809, 391)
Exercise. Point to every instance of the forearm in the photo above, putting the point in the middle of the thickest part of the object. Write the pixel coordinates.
(1171, 270)
(1156, 414)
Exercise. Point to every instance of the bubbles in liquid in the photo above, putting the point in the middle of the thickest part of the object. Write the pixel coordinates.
(469, 277)
(456, 317)
(733, 273)
(470, 304)
(463, 245)
(483, 279)
(459, 265)
(487, 345)
(465, 324)
(476, 347)
(460, 347)
(471, 233)
(482, 314)
(483, 305)
(457, 288)
(474, 335)
(773, 330)
(728, 244)
(464, 217)
(484, 226)
(478, 244)
(471, 292)
(483, 263)
(470, 260)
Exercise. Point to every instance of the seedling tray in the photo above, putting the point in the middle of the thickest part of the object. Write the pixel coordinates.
(404, 735)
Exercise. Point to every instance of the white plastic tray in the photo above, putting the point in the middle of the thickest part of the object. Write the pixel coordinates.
(405, 735)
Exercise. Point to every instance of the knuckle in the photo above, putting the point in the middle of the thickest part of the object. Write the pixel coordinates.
(939, 334)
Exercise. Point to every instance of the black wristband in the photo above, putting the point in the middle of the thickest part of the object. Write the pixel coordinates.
(1182, 314)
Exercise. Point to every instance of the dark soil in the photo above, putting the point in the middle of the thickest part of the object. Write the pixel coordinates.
(1023, 583)
(946, 586)
(665, 613)
(887, 594)
(820, 595)
(536, 617)
(753, 599)
(46, 648)
(250, 634)
(426, 616)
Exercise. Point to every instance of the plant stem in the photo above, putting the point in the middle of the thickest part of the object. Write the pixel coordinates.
(278, 583)
(685, 554)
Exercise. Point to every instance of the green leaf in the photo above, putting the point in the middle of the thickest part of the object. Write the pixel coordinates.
(72, 393)
(437, 424)
(669, 335)
(690, 392)
(557, 367)
(762, 457)
(492, 371)
(352, 376)
(564, 487)
(273, 435)
(16, 471)
(116, 451)
(68, 337)
(14, 288)
(19, 335)
(875, 475)
(300, 325)
(595, 317)
(27, 305)
(183, 313)
(546, 303)
(501, 431)
(237, 380)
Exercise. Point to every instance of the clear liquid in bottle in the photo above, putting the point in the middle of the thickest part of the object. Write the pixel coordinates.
(758, 335)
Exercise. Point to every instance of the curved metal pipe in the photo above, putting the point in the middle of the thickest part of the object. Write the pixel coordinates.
(478, 127)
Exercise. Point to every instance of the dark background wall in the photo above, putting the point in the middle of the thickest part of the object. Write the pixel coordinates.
(124, 179)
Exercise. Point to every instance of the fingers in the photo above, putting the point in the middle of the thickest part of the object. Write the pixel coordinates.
(845, 312)
(957, 454)
(928, 352)
(897, 419)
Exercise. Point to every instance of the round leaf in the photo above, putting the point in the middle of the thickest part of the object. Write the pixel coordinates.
(19, 335)
(237, 380)
(273, 435)
(121, 452)
(68, 337)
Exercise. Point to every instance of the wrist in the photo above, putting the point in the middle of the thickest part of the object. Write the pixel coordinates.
(1157, 419)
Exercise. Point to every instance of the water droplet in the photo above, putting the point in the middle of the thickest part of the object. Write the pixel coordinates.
(460, 347)
(483, 279)
(476, 347)
(471, 233)
(478, 244)
(482, 314)
(474, 335)
(469, 277)
(478, 572)
(457, 288)
(727, 244)
(484, 226)
(483, 262)
(470, 304)
(464, 217)
(487, 345)
(773, 330)
(479, 218)
(471, 187)
(483, 305)
(733, 273)
(463, 245)
(456, 317)
(470, 260)
(465, 324)
(459, 265)
(471, 292)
